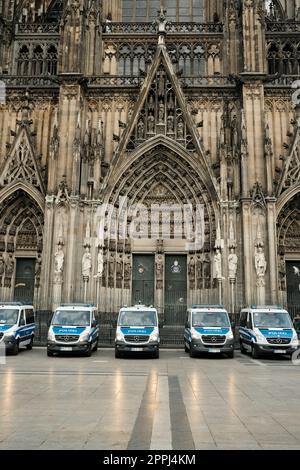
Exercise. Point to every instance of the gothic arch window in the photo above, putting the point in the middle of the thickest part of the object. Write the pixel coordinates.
(37, 61)
(177, 10)
(288, 59)
(23, 61)
(274, 10)
(51, 60)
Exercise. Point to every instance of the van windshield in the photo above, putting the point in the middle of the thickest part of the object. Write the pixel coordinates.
(8, 316)
(272, 320)
(205, 319)
(139, 318)
(71, 318)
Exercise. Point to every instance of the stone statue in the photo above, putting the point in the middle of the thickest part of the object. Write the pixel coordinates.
(127, 273)
(161, 23)
(232, 264)
(161, 112)
(151, 123)
(180, 129)
(217, 264)
(192, 272)
(119, 271)
(100, 264)
(199, 267)
(87, 263)
(159, 272)
(260, 266)
(2, 266)
(140, 129)
(170, 125)
(59, 260)
(111, 270)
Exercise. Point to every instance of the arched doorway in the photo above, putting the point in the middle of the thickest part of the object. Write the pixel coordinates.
(163, 189)
(288, 229)
(21, 244)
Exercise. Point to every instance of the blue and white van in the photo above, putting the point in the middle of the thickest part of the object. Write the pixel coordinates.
(208, 329)
(17, 326)
(267, 330)
(137, 331)
(73, 328)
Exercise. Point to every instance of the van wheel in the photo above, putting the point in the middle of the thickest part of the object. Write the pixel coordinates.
(230, 355)
(156, 354)
(88, 353)
(50, 354)
(117, 354)
(15, 350)
(186, 349)
(243, 349)
(254, 352)
(192, 353)
(30, 345)
(95, 348)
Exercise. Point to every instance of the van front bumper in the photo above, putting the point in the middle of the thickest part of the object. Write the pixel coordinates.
(273, 349)
(54, 347)
(198, 346)
(136, 348)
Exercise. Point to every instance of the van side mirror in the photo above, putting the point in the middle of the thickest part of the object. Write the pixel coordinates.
(94, 323)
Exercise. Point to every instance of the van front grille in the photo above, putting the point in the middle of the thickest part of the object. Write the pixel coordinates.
(278, 340)
(214, 339)
(136, 338)
(66, 338)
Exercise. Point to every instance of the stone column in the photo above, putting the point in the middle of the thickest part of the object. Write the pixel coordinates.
(272, 245)
(46, 273)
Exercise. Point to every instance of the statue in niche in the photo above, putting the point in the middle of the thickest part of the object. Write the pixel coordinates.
(100, 263)
(59, 260)
(159, 272)
(140, 129)
(232, 264)
(180, 129)
(217, 264)
(161, 112)
(86, 263)
(127, 273)
(161, 85)
(260, 266)
(170, 123)
(119, 270)
(111, 269)
(2, 266)
(151, 123)
(199, 266)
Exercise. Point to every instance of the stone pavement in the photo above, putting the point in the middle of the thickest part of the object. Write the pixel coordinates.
(138, 403)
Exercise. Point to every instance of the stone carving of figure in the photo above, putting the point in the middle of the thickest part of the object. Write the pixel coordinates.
(151, 123)
(180, 129)
(199, 266)
(119, 271)
(170, 123)
(2, 266)
(59, 260)
(127, 273)
(111, 270)
(260, 266)
(232, 264)
(161, 26)
(140, 129)
(207, 270)
(86, 263)
(192, 272)
(217, 264)
(282, 273)
(159, 272)
(100, 264)
(161, 112)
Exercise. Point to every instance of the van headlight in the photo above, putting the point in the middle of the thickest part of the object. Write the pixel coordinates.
(230, 335)
(260, 337)
(120, 336)
(154, 337)
(196, 335)
(84, 336)
(51, 336)
(295, 340)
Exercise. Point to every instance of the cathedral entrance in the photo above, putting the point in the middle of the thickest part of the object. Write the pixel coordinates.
(143, 280)
(175, 289)
(293, 287)
(24, 281)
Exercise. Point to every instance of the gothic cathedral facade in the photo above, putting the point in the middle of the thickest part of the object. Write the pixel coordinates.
(109, 108)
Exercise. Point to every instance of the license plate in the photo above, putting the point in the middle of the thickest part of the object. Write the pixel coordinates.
(279, 351)
(213, 350)
(66, 349)
(136, 349)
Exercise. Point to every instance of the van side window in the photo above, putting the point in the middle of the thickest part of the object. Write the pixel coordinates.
(22, 319)
(29, 316)
(243, 320)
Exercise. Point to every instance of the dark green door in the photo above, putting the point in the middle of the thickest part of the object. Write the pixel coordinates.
(143, 280)
(175, 289)
(293, 287)
(24, 283)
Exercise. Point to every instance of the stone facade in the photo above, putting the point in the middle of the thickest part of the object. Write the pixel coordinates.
(158, 111)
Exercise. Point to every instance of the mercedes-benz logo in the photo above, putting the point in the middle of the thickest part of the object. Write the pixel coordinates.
(214, 339)
(66, 339)
(278, 340)
(136, 339)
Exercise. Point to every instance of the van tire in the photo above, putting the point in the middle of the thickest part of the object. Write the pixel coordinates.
(15, 350)
(230, 355)
(243, 349)
(117, 354)
(186, 349)
(30, 345)
(88, 353)
(192, 353)
(95, 348)
(156, 355)
(50, 354)
(254, 352)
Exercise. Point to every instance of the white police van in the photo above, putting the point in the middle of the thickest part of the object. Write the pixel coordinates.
(17, 326)
(267, 329)
(73, 328)
(137, 331)
(208, 329)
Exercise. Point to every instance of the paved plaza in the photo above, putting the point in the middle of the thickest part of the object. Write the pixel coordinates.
(172, 403)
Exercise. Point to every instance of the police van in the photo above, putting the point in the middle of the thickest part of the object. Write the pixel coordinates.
(137, 331)
(208, 329)
(73, 329)
(267, 330)
(17, 326)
